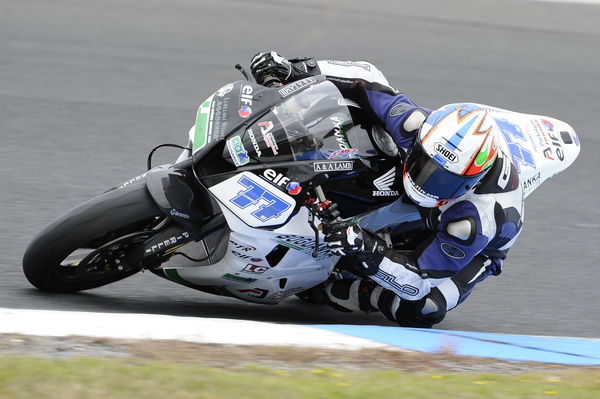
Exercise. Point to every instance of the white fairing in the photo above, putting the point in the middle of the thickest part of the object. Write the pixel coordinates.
(245, 271)
(540, 146)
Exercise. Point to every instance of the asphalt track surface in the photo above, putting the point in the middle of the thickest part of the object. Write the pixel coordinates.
(88, 88)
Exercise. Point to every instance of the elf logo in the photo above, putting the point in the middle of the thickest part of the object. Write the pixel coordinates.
(246, 101)
(246, 95)
(280, 180)
(446, 153)
(274, 177)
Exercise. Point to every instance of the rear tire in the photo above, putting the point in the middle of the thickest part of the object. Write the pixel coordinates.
(92, 224)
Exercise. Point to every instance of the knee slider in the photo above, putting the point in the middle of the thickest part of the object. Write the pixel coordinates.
(423, 313)
(433, 309)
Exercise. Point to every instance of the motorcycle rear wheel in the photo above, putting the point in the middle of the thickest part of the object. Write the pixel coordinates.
(105, 227)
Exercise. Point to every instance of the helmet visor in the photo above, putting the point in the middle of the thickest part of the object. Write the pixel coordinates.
(430, 179)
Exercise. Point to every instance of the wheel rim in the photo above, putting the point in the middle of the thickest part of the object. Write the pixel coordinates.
(108, 261)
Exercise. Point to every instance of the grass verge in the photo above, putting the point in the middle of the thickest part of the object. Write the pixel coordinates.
(91, 378)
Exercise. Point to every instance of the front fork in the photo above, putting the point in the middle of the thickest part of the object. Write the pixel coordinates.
(190, 215)
(325, 210)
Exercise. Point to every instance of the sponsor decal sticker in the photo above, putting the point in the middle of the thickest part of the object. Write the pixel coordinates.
(445, 152)
(282, 181)
(175, 212)
(268, 138)
(276, 178)
(452, 251)
(259, 202)
(254, 142)
(338, 132)
(333, 166)
(168, 242)
(344, 154)
(286, 293)
(217, 120)
(242, 247)
(532, 182)
(246, 101)
(293, 188)
(245, 111)
(246, 257)
(239, 279)
(384, 183)
(253, 200)
(223, 91)
(238, 153)
(514, 136)
(556, 144)
(303, 244)
(296, 86)
(201, 132)
(259, 292)
(548, 124)
(133, 180)
(250, 268)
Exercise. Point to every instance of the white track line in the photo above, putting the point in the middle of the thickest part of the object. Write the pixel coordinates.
(191, 329)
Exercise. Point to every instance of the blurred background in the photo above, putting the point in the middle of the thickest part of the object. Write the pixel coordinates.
(88, 88)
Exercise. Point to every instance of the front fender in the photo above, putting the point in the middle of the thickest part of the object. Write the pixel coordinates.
(182, 198)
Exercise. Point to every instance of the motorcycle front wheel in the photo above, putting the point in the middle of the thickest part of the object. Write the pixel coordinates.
(88, 246)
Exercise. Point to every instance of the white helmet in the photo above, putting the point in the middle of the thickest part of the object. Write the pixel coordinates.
(454, 149)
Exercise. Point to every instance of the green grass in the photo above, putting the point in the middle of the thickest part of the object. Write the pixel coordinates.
(86, 378)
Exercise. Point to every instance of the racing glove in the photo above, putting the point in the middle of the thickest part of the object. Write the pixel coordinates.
(350, 239)
(268, 64)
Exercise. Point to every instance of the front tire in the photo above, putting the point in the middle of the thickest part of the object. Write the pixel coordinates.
(92, 225)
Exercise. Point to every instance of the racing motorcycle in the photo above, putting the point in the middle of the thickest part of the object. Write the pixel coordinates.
(237, 213)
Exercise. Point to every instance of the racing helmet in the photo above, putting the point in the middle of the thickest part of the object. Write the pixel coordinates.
(454, 149)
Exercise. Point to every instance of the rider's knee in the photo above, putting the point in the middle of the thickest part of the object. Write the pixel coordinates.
(424, 313)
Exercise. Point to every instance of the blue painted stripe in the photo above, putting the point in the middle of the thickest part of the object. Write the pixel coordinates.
(571, 351)
(461, 133)
(441, 161)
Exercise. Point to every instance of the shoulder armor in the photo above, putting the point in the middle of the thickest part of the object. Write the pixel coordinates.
(461, 229)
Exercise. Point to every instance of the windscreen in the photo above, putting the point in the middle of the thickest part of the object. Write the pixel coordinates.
(314, 124)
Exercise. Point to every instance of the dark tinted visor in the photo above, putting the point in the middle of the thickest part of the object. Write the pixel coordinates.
(433, 179)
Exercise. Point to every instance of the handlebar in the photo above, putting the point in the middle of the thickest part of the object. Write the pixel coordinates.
(272, 81)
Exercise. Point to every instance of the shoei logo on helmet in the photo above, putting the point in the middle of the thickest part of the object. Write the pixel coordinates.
(445, 152)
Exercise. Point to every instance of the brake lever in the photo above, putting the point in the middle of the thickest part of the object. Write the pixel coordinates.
(325, 209)
(243, 71)
(311, 223)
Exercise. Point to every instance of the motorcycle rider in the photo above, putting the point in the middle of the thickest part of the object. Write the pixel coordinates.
(464, 184)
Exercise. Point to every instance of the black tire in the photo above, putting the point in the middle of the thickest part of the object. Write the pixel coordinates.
(90, 225)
